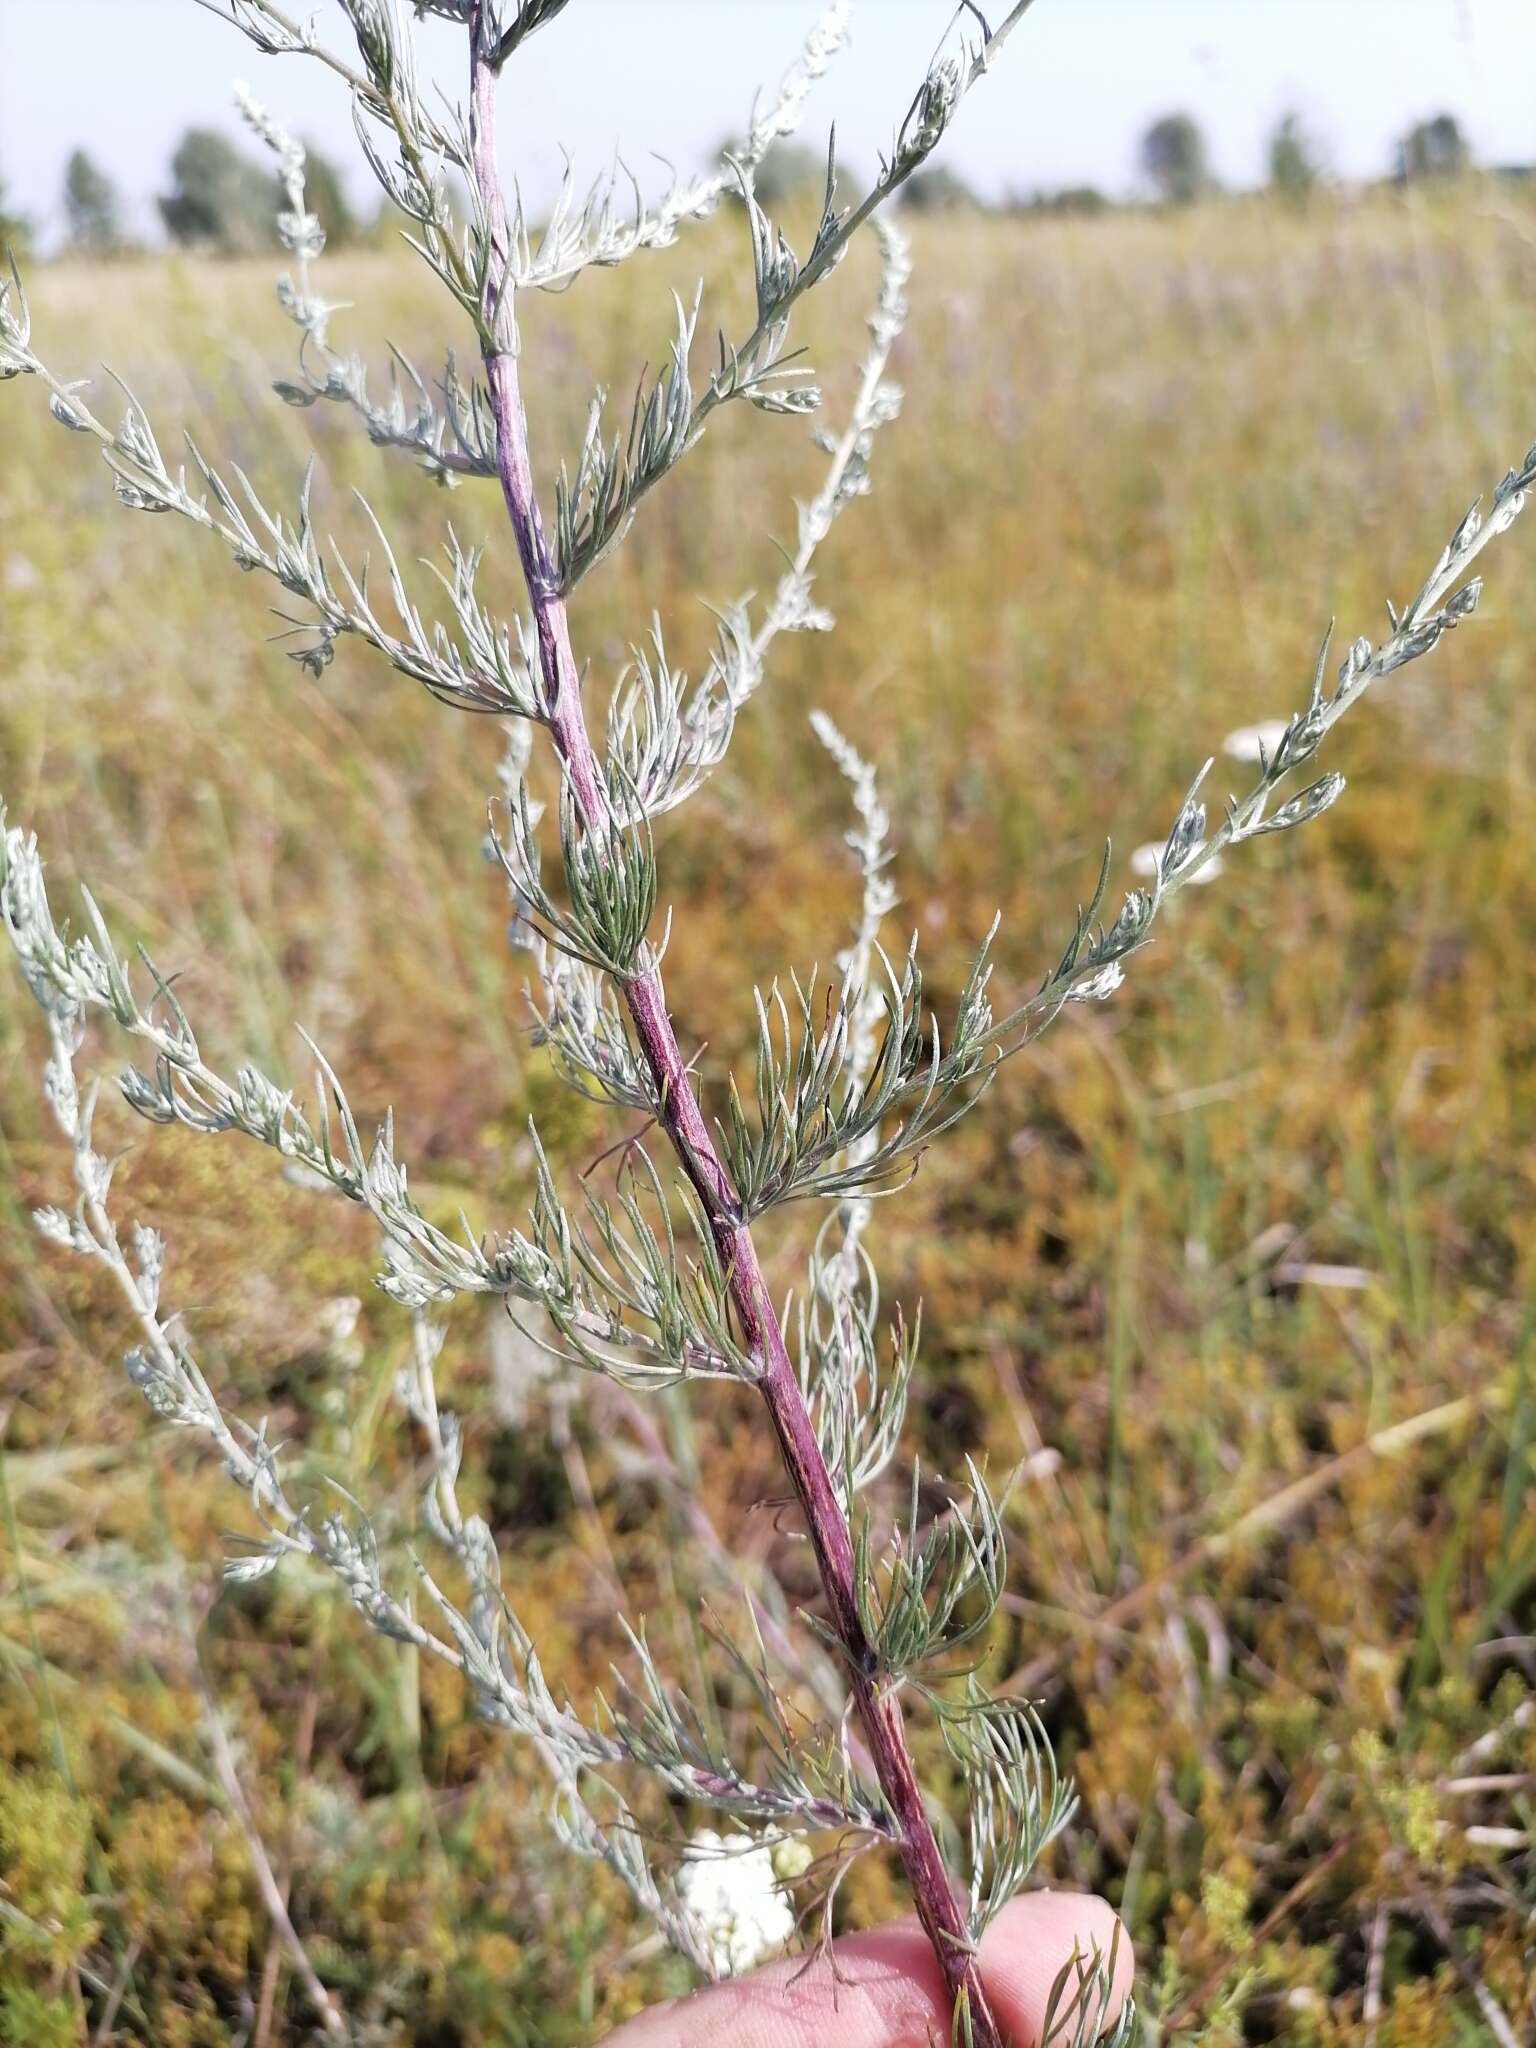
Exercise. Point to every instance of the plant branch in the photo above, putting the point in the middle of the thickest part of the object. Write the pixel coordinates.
(877, 1704)
(271, 1891)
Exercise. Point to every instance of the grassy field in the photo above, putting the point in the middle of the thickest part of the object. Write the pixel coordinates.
(1243, 1264)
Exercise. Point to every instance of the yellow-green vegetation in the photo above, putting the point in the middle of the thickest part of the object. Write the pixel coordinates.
(1240, 1267)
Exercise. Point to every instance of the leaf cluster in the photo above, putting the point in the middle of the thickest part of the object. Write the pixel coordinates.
(936, 1591)
(803, 1131)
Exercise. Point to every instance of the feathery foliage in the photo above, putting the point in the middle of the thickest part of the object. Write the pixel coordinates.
(847, 1085)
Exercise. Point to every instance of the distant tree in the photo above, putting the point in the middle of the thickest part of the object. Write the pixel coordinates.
(15, 231)
(1295, 167)
(1437, 148)
(220, 199)
(790, 170)
(327, 195)
(1083, 199)
(939, 190)
(92, 207)
(1173, 157)
(1071, 199)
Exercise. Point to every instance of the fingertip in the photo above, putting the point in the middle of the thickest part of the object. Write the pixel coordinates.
(1050, 1939)
(886, 1990)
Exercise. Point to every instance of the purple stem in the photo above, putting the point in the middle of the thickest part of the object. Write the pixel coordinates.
(878, 1707)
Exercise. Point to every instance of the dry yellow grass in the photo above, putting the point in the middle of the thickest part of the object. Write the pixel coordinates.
(1283, 1578)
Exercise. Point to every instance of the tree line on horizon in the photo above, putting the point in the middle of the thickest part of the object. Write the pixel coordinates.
(224, 201)
(1174, 160)
(221, 200)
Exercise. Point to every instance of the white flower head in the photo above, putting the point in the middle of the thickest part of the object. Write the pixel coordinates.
(1146, 861)
(1251, 742)
(1097, 988)
(731, 1892)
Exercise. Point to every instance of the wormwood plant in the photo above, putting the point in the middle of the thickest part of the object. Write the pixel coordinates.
(661, 1281)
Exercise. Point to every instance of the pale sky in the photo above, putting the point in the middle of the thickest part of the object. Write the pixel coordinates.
(667, 77)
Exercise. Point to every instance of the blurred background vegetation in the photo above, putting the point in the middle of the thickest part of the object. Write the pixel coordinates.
(1239, 1270)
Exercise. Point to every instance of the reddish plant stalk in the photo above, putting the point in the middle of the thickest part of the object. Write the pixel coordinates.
(878, 1708)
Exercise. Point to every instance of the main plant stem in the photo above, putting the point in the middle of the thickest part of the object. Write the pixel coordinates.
(875, 1699)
